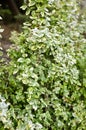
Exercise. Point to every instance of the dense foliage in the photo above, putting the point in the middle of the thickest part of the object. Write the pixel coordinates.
(44, 81)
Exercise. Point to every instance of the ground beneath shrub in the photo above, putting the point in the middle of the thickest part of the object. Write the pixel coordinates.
(5, 42)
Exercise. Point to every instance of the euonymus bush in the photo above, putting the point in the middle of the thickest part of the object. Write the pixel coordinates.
(44, 81)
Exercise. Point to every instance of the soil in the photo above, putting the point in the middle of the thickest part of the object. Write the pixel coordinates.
(5, 42)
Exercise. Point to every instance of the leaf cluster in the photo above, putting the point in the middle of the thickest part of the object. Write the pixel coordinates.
(42, 81)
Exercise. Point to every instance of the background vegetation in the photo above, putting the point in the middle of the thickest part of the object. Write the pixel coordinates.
(44, 85)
